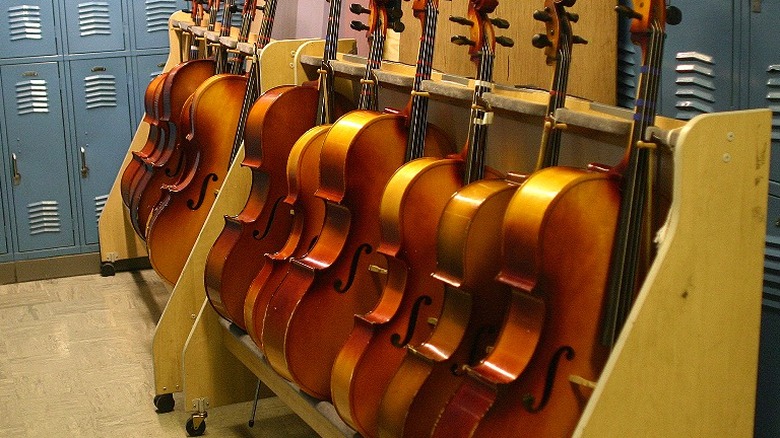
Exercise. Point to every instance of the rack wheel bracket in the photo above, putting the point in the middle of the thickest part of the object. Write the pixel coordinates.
(196, 425)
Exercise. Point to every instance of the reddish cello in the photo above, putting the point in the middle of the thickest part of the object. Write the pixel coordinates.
(411, 205)
(212, 113)
(279, 122)
(310, 313)
(149, 171)
(582, 249)
(524, 316)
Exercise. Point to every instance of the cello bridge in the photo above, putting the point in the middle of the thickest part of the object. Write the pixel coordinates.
(578, 380)
(377, 269)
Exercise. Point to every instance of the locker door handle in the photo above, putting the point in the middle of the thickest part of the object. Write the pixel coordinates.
(17, 177)
(84, 168)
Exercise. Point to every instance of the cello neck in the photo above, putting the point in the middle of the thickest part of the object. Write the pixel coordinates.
(418, 114)
(326, 111)
(557, 42)
(625, 263)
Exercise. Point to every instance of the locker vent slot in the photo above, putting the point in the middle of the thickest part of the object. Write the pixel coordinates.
(157, 14)
(24, 22)
(772, 272)
(32, 96)
(100, 91)
(695, 79)
(44, 217)
(100, 204)
(94, 19)
(773, 98)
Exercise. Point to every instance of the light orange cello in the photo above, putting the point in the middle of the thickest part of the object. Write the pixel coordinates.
(522, 321)
(411, 205)
(582, 247)
(279, 126)
(310, 314)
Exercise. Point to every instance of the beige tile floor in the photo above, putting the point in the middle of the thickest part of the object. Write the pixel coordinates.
(75, 361)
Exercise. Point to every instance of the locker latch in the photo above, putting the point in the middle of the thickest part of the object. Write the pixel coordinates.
(755, 6)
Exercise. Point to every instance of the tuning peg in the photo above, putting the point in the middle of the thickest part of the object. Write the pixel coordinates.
(542, 15)
(357, 8)
(568, 3)
(462, 20)
(358, 26)
(505, 41)
(462, 41)
(541, 41)
(395, 14)
(576, 39)
(573, 16)
(673, 15)
(397, 26)
(500, 23)
(628, 12)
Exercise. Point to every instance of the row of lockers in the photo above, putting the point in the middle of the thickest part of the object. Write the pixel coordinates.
(37, 28)
(72, 76)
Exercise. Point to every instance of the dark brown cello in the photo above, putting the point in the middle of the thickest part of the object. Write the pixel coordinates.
(212, 113)
(310, 314)
(412, 203)
(583, 249)
(277, 121)
(148, 172)
(522, 320)
(157, 133)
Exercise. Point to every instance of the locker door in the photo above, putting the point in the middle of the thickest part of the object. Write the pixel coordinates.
(151, 22)
(763, 56)
(697, 66)
(146, 68)
(35, 142)
(94, 26)
(3, 208)
(28, 28)
(102, 124)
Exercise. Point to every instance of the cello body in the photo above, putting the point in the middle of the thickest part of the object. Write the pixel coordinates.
(176, 220)
(468, 254)
(277, 119)
(156, 134)
(311, 312)
(566, 244)
(409, 213)
(303, 179)
(163, 166)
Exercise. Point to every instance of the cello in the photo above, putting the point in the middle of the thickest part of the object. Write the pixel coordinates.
(211, 114)
(310, 312)
(147, 172)
(152, 102)
(280, 123)
(411, 205)
(524, 318)
(582, 247)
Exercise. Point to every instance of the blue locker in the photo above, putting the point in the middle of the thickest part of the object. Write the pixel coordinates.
(151, 22)
(146, 68)
(36, 148)
(28, 28)
(698, 65)
(102, 123)
(95, 26)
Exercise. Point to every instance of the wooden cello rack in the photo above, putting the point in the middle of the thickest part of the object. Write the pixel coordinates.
(685, 363)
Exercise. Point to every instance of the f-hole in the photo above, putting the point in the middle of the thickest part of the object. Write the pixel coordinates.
(204, 185)
(338, 284)
(395, 339)
(256, 233)
(552, 369)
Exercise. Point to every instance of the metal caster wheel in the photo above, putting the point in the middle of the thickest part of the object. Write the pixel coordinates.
(196, 425)
(164, 403)
(107, 269)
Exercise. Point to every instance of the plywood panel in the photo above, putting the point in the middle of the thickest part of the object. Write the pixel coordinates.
(593, 68)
